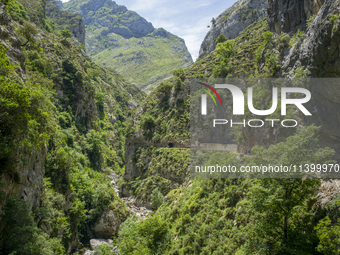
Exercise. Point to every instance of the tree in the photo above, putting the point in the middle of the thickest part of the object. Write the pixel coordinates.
(329, 236)
(28, 31)
(225, 50)
(282, 223)
(44, 2)
(267, 36)
(21, 235)
(213, 21)
(220, 39)
(157, 198)
(66, 33)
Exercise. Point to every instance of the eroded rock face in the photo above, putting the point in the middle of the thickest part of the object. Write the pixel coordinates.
(319, 54)
(72, 22)
(290, 15)
(28, 180)
(233, 21)
(129, 24)
(108, 225)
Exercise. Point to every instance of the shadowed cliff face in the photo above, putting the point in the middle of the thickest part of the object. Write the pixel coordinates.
(290, 15)
(318, 55)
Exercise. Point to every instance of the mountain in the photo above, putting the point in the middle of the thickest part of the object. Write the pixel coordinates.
(85, 155)
(120, 39)
(233, 21)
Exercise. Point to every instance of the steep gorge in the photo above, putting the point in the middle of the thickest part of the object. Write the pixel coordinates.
(87, 131)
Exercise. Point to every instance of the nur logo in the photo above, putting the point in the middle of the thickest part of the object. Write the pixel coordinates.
(238, 99)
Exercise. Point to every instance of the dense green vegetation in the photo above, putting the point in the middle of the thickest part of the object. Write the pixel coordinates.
(71, 114)
(240, 216)
(78, 118)
(161, 170)
(232, 216)
(149, 58)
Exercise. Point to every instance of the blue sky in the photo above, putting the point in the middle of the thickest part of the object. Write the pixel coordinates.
(187, 19)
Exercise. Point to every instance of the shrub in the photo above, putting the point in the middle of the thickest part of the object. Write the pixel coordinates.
(28, 32)
(310, 20)
(334, 18)
(220, 39)
(284, 38)
(179, 73)
(156, 198)
(224, 50)
(267, 36)
(20, 234)
(66, 33)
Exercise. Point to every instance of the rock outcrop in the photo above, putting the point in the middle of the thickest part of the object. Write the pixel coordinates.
(26, 180)
(319, 55)
(99, 242)
(290, 15)
(233, 21)
(129, 24)
(108, 225)
(66, 20)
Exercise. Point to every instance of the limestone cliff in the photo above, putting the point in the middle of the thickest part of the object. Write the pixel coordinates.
(318, 54)
(233, 21)
(11, 41)
(289, 16)
(66, 20)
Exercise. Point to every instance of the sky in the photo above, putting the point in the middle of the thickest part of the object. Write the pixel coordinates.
(187, 19)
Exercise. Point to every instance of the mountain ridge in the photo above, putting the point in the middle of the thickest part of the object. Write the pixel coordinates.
(113, 30)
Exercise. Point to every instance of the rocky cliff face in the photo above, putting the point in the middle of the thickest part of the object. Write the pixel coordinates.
(290, 15)
(318, 50)
(113, 18)
(26, 180)
(66, 20)
(121, 39)
(233, 21)
(318, 54)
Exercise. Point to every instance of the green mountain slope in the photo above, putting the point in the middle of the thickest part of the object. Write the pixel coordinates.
(61, 133)
(239, 216)
(121, 39)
